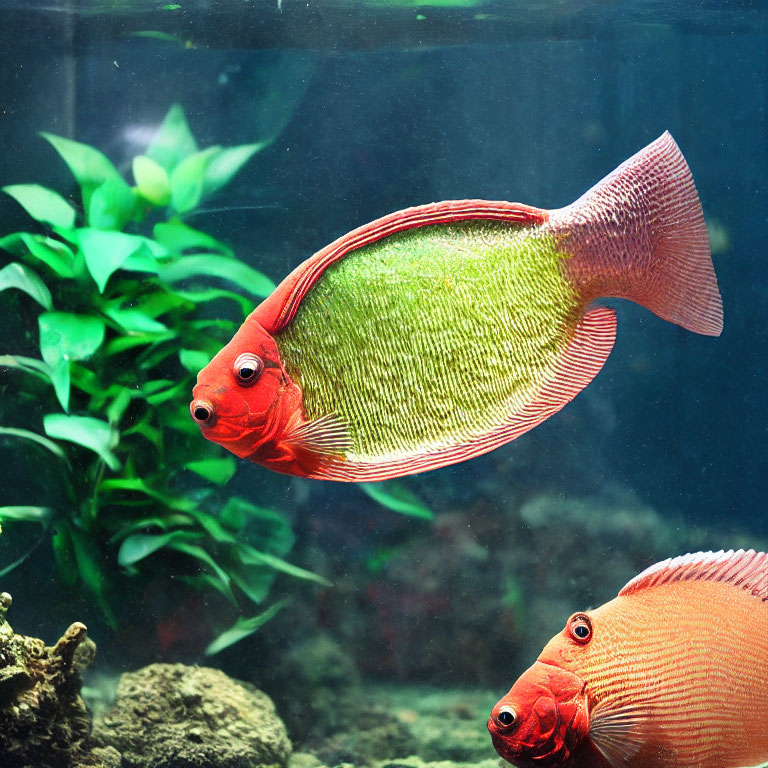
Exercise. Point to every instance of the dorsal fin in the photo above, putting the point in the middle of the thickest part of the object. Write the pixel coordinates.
(747, 570)
(278, 309)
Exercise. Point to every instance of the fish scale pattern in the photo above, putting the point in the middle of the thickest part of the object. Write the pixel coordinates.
(674, 664)
(432, 337)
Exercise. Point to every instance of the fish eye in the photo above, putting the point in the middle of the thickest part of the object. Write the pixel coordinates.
(247, 368)
(580, 627)
(202, 412)
(506, 717)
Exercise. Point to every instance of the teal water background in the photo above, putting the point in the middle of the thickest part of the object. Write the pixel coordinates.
(378, 106)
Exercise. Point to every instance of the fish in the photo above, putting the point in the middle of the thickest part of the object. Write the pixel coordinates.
(672, 673)
(443, 331)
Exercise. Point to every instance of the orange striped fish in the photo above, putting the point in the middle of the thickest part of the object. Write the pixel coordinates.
(672, 673)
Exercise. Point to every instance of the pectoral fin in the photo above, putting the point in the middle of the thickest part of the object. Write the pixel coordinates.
(326, 436)
(624, 734)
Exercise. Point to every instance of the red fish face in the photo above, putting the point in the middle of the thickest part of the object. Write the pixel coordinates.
(243, 399)
(542, 719)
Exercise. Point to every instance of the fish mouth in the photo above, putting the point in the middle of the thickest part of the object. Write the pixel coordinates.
(542, 719)
(220, 421)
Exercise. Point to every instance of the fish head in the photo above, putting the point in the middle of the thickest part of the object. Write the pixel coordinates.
(243, 397)
(543, 718)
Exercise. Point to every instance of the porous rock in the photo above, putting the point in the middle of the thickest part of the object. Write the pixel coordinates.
(43, 720)
(179, 716)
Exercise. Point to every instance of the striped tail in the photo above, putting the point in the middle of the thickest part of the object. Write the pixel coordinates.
(639, 234)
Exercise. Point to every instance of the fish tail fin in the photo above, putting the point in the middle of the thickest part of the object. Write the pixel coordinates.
(640, 234)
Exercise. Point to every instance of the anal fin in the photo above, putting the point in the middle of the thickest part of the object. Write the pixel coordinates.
(583, 358)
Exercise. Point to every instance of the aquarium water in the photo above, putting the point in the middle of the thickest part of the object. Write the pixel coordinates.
(164, 166)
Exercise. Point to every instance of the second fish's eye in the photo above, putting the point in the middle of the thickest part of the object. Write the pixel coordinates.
(506, 717)
(247, 368)
(580, 628)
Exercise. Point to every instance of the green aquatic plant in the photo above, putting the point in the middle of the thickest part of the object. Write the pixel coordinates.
(131, 302)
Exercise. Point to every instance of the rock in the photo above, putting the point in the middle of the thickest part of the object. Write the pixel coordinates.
(330, 684)
(101, 757)
(178, 716)
(43, 720)
(375, 734)
(416, 762)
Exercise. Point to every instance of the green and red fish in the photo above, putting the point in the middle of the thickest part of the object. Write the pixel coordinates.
(672, 673)
(441, 332)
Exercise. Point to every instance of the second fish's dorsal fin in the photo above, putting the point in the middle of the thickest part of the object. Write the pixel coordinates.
(747, 570)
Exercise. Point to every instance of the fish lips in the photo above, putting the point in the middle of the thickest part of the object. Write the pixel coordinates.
(222, 416)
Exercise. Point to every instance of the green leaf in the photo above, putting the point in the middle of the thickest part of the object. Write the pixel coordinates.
(222, 267)
(106, 252)
(174, 393)
(266, 528)
(61, 380)
(64, 555)
(187, 179)
(143, 260)
(91, 569)
(90, 167)
(159, 302)
(28, 364)
(179, 420)
(25, 434)
(146, 429)
(219, 471)
(213, 294)
(54, 254)
(85, 380)
(91, 433)
(254, 582)
(398, 498)
(65, 337)
(15, 275)
(70, 337)
(242, 628)
(137, 485)
(139, 546)
(177, 236)
(124, 343)
(151, 180)
(173, 141)
(155, 385)
(154, 34)
(250, 556)
(111, 205)
(207, 582)
(192, 550)
(40, 515)
(120, 402)
(43, 204)
(192, 359)
(5, 570)
(164, 523)
(157, 352)
(135, 321)
(227, 163)
(213, 527)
